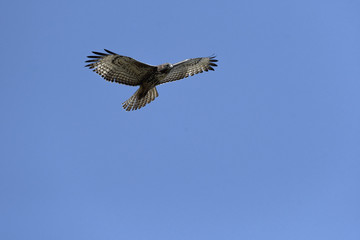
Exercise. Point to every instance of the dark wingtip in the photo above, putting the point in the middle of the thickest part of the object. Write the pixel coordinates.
(109, 51)
(99, 53)
(212, 59)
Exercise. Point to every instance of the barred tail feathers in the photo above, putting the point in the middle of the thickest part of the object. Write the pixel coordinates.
(136, 102)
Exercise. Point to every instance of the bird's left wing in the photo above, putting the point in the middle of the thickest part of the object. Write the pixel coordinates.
(118, 68)
(189, 67)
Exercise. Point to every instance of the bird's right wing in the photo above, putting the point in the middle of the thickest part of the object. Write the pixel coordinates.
(190, 67)
(120, 69)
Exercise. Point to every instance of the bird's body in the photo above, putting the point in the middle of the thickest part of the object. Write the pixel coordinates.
(126, 70)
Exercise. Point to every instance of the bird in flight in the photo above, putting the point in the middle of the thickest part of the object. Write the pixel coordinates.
(128, 71)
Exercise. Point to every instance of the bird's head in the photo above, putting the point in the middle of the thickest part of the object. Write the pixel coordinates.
(164, 67)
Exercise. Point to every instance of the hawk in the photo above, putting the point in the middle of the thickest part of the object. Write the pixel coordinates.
(128, 71)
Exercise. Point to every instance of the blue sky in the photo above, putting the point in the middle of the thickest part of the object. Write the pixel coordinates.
(265, 147)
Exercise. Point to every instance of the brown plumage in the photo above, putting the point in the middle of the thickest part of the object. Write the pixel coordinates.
(126, 70)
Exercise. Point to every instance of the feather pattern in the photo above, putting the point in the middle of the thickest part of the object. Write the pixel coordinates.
(190, 67)
(120, 69)
(134, 102)
(125, 70)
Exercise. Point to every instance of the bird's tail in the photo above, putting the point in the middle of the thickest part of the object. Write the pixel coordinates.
(136, 101)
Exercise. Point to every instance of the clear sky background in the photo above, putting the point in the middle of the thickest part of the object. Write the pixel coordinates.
(265, 147)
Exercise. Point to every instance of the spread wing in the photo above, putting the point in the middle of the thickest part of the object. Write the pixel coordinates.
(189, 67)
(120, 69)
